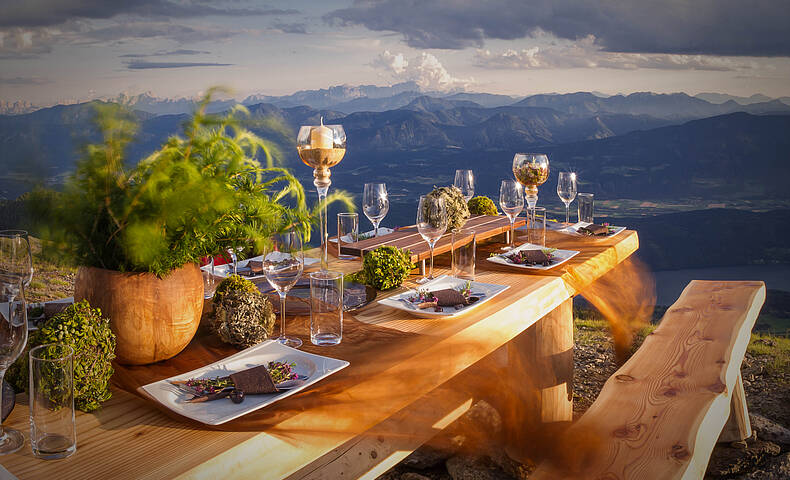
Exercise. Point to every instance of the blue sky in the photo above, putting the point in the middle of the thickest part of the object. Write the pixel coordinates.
(72, 50)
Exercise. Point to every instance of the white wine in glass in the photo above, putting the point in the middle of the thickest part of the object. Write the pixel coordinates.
(431, 223)
(283, 264)
(566, 190)
(511, 201)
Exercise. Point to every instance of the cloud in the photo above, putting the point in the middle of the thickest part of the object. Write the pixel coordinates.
(688, 27)
(36, 13)
(24, 81)
(585, 53)
(299, 28)
(180, 51)
(183, 34)
(143, 65)
(424, 69)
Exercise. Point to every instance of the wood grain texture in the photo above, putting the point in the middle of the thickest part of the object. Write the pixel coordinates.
(660, 414)
(153, 318)
(408, 238)
(131, 438)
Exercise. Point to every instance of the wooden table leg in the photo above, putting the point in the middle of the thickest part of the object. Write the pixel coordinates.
(738, 426)
(539, 380)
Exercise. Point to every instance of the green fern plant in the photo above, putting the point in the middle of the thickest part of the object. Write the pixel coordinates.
(196, 196)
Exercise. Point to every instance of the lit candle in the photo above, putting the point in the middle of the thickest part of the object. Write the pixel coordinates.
(322, 137)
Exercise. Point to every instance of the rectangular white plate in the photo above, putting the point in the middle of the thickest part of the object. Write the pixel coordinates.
(227, 269)
(560, 257)
(401, 302)
(215, 412)
(574, 230)
(368, 234)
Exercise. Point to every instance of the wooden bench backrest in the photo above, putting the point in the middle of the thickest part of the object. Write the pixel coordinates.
(660, 414)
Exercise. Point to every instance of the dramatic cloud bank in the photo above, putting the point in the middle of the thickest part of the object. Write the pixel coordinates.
(689, 27)
(424, 69)
(586, 54)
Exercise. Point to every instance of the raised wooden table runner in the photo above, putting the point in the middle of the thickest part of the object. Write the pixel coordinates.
(408, 238)
(404, 384)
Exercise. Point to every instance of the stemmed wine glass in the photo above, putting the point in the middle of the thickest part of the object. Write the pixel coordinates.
(431, 223)
(15, 255)
(234, 257)
(283, 263)
(566, 190)
(511, 201)
(13, 337)
(375, 204)
(322, 147)
(465, 181)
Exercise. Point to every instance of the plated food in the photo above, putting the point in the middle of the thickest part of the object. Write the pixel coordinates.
(586, 229)
(263, 374)
(534, 257)
(251, 268)
(444, 296)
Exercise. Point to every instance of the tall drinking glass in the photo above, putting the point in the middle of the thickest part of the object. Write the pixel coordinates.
(431, 223)
(465, 181)
(566, 190)
(347, 232)
(586, 207)
(326, 308)
(13, 337)
(375, 204)
(15, 255)
(283, 264)
(511, 201)
(52, 430)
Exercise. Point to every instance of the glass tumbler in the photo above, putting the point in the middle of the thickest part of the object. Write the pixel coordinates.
(52, 429)
(463, 254)
(209, 280)
(537, 227)
(585, 201)
(347, 232)
(326, 308)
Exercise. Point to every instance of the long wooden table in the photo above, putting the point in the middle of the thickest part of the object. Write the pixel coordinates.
(364, 419)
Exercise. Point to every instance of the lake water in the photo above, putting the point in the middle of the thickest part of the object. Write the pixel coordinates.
(670, 283)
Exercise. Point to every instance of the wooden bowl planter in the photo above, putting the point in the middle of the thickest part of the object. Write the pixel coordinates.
(153, 318)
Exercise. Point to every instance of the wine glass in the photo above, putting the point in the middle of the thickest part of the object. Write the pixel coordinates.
(511, 201)
(322, 147)
(15, 255)
(13, 337)
(283, 263)
(375, 204)
(431, 223)
(234, 257)
(531, 170)
(566, 190)
(465, 181)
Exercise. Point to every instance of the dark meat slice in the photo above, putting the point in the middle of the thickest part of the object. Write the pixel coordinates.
(536, 257)
(595, 229)
(449, 297)
(253, 381)
(256, 267)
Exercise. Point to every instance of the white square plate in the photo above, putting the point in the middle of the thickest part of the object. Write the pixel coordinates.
(574, 230)
(401, 301)
(226, 270)
(558, 257)
(215, 412)
(366, 235)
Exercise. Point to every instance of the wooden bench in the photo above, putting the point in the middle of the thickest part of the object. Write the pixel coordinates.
(660, 415)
